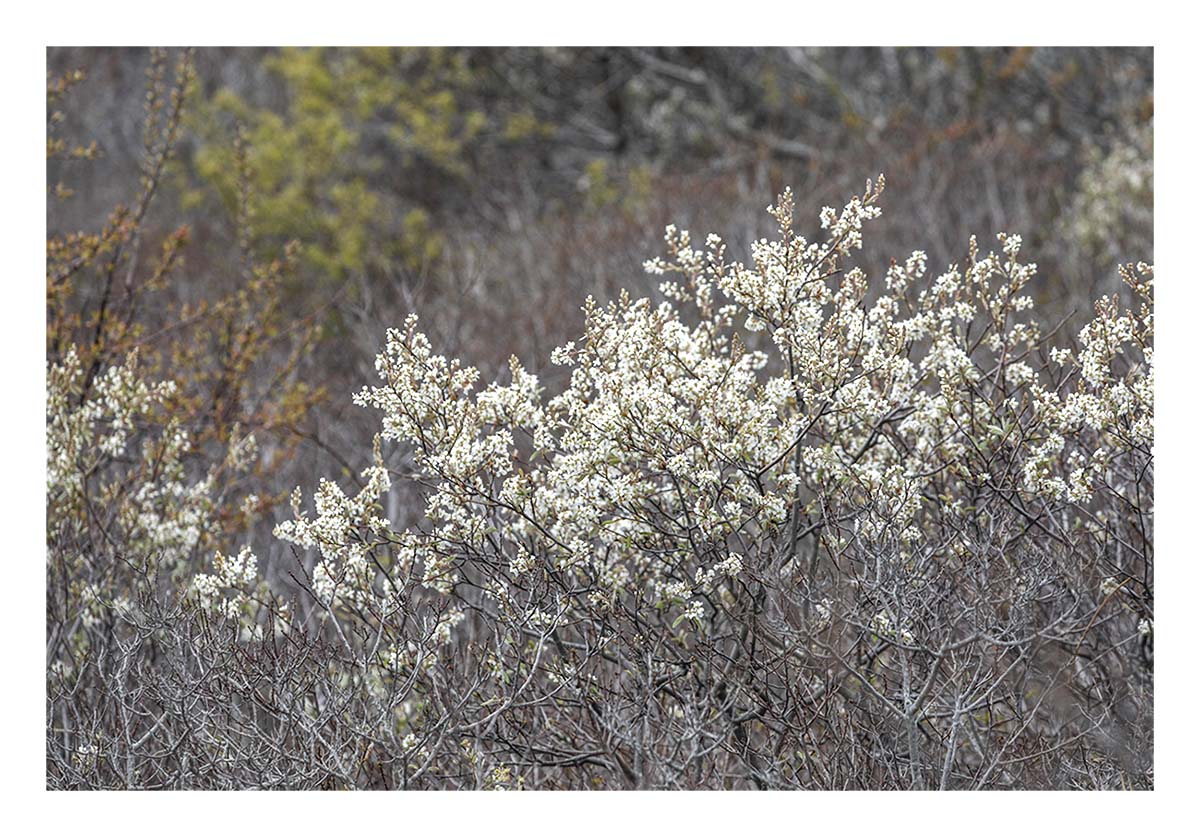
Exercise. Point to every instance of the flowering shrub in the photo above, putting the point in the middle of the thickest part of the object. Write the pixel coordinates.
(147, 477)
(786, 526)
(121, 509)
(771, 492)
(114, 293)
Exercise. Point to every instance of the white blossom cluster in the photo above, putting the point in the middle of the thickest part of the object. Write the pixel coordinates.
(223, 590)
(337, 532)
(162, 513)
(121, 495)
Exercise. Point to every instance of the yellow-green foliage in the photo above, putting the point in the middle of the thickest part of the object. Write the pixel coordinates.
(607, 186)
(333, 167)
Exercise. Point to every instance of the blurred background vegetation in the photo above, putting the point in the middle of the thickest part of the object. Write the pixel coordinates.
(307, 199)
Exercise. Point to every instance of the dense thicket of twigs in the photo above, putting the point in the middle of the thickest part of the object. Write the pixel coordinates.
(798, 517)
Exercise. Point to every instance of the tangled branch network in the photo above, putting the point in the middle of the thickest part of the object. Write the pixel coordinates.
(785, 527)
